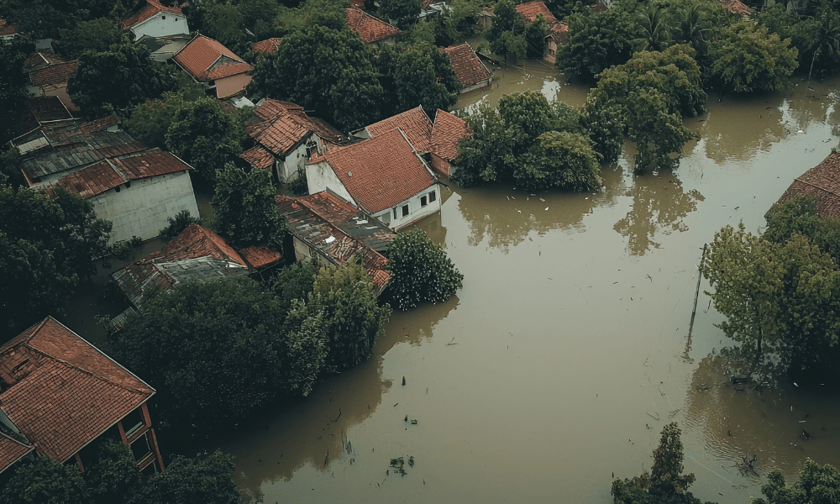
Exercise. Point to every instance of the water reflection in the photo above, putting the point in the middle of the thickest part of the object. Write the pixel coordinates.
(314, 431)
(660, 205)
(738, 421)
(504, 217)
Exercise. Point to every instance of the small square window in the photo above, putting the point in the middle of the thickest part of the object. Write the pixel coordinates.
(405, 211)
(423, 201)
(395, 213)
(163, 17)
(432, 197)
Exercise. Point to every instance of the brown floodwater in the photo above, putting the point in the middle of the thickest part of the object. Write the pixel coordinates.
(567, 349)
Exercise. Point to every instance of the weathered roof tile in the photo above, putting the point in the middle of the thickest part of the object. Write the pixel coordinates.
(448, 130)
(369, 28)
(468, 68)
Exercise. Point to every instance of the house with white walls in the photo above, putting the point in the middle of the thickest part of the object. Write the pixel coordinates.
(152, 19)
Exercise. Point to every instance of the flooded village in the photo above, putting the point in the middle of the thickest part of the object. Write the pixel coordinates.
(582, 327)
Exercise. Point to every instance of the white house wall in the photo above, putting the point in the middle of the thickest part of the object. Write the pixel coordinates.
(320, 177)
(415, 210)
(157, 26)
(143, 209)
(294, 164)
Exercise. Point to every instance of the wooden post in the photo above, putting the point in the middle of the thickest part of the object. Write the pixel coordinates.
(697, 291)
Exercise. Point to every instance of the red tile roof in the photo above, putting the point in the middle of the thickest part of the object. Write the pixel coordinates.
(821, 182)
(148, 10)
(285, 125)
(100, 124)
(110, 173)
(54, 74)
(736, 6)
(448, 130)
(529, 11)
(207, 59)
(41, 59)
(258, 157)
(560, 33)
(195, 242)
(381, 172)
(307, 223)
(11, 450)
(269, 45)
(468, 68)
(232, 86)
(369, 28)
(6, 28)
(259, 257)
(414, 123)
(48, 109)
(63, 392)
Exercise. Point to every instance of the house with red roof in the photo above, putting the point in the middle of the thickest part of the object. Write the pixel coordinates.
(447, 132)
(138, 192)
(558, 31)
(59, 395)
(385, 176)
(151, 19)
(414, 123)
(268, 46)
(48, 76)
(369, 28)
(214, 66)
(822, 183)
(470, 71)
(331, 232)
(195, 254)
(8, 31)
(285, 137)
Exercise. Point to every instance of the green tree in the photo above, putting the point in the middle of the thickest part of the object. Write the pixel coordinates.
(245, 211)
(10, 166)
(208, 480)
(507, 35)
(324, 70)
(404, 12)
(12, 78)
(417, 75)
(218, 351)
(204, 136)
(294, 282)
(748, 58)
(225, 23)
(120, 77)
(94, 35)
(658, 133)
(346, 298)
(535, 33)
(114, 477)
(666, 483)
(177, 224)
(652, 27)
(41, 264)
(596, 42)
(45, 481)
(816, 485)
(420, 271)
(824, 49)
(150, 120)
(559, 159)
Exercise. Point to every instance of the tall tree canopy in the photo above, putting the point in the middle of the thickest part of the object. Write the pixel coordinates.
(12, 78)
(45, 481)
(325, 70)
(245, 211)
(507, 35)
(120, 77)
(94, 35)
(46, 247)
(420, 271)
(205, 480)
(404, 12)
(596, 42)
(817, 485)
(416, 74)
(747, 58)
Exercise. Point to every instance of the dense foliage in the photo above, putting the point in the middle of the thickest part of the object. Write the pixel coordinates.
(45, 482)
(117, 78)
(245, 211)
(40, 265)
(817, 485)
(416, 74)
(149, 121)
(780, 293)
(208, 480)
(204, 136)
(596, 42)
(748, 58)
(420, 271)
(507, 34)
(96, 35)
(177, 224)
(403, 12)
(508, 144)
(12, 78)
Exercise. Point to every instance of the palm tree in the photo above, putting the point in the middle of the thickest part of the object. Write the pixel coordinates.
(693, 26)
(826, 41)
(653, 28)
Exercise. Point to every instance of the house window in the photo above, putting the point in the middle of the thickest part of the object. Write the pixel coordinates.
(311, 148)
(395, 213)
(405, 211)
(163, 17)
(423, 201)
(141, 448)
(133, 422)
(432, 197)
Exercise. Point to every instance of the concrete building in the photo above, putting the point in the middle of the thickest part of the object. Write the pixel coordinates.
(150, 18)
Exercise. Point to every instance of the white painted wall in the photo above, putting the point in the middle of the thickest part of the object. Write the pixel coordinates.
(320, 177)
(415, 210)
(295, 162)
(161, 25)
(143, 208)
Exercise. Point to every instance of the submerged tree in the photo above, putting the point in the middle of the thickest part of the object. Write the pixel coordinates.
(817, 485)
(748, 58)
(420, 271)
(245, 211)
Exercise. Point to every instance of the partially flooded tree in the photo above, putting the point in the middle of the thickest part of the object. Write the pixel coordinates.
(817, 485)
(666, 482)
(246, 213)
(420, 271)
(747, 59)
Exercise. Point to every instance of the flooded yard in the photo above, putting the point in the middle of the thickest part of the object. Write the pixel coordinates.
(567, 350)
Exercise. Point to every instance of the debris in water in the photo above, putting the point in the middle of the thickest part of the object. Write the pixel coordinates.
(546, 208)
(406, 418)
(403, 381)
(413, 422)
(542, 200)
(395, 405)
(452, 342)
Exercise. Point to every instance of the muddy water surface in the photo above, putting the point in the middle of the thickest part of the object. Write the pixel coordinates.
(566, 351)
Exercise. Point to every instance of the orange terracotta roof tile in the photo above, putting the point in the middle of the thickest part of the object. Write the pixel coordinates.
(305, 223)
(41, 59)
(12, 450)
(148, 10)
(448, 130)
(64, 392)
(369, 28)
(54, 74)
(258, 157)
(529, 11)
(560, 33)
(196, 253)
(7, 28)
(414, 123)
(468, 68)
(259, 257)
(285, 125)
(100, 124)
(269, 45)
(232, 86)
(381, 172)
(207, 59)
(821, 182)
(736, 6)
